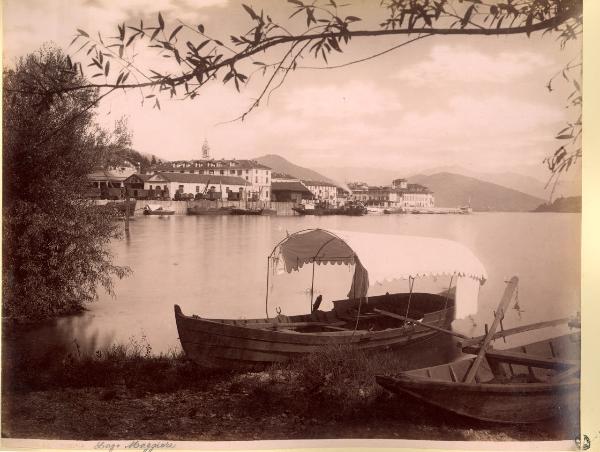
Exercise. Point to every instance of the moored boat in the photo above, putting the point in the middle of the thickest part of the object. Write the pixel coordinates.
(268, 212)
(524, 384)
(199, 210)
(350, 208)
(508, 392)
(245, 211)
(373, 322)
(155, 209)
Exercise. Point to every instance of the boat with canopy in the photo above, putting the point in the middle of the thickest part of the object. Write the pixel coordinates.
(362, 320)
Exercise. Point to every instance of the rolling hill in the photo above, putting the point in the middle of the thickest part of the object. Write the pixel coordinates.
(451, 190)
(281, 165)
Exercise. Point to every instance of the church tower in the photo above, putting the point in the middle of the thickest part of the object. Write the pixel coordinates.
(205, 150)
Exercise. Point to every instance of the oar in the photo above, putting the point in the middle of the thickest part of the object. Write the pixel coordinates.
(406, 319)
(519, 329)
(504, 302)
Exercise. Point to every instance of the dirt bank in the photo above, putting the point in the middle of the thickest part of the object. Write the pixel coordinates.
(127, 393)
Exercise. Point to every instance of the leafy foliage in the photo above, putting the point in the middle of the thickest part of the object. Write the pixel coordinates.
(55, 241)
(317, 29)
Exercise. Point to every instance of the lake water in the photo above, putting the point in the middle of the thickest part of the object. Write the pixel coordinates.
(216, 267)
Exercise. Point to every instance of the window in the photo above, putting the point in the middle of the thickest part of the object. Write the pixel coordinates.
(181, 188)
(267, 180)
(256, 179)
(164, 187)
(222, 172)
(232, 171)
(150, 187)
(197, 188)
(247, 177)
(211, 172)
(239, 172)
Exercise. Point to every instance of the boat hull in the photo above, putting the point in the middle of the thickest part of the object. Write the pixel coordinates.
(208, 211)
(505, 393)
(259, 342)
(246, 211)
(505, 403)
(159, 212)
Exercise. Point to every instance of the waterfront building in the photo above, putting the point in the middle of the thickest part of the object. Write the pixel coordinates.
(217, 186)
(322, 191)
(135, 185)
(399, 194)
(290, 190)
(416, 195)
(400, 184)
(257, 176)
(378, 196)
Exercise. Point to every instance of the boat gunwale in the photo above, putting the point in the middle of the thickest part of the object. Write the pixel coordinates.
(441, 316)
(404, 383)
(466, 413)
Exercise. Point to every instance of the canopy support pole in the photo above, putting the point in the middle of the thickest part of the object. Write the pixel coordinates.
(411, 284)
(448, 293)
(312, 286)
(267, 292)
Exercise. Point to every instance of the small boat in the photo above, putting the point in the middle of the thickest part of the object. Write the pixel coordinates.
(366, 322)
(155, 209)
(519, 385)
(394, 211)
(248, 211)
(350, 208)
(375, 210)
(245, 211)
(199, 210)
(305, 209)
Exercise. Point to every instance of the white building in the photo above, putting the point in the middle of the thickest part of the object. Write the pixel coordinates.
(416, 195)
(322, 191)
(257, 175)
(187, 183)
(400, 194)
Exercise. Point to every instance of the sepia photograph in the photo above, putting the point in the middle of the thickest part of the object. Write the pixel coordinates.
(291, 220)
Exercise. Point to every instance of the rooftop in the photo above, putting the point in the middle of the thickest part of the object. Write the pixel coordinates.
(318, 183)
(289, 186)
(211, 163)
(200, 178)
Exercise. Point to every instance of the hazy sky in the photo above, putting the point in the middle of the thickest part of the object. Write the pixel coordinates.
(477, 102)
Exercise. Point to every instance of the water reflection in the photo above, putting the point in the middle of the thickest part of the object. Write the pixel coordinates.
(216, 267)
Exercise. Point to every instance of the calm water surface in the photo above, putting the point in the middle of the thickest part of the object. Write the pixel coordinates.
(216, 267)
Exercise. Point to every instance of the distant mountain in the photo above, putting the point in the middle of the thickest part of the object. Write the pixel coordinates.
(516, 181)
(567, 186)
(371, 176)
(281, 165)
(451, 190)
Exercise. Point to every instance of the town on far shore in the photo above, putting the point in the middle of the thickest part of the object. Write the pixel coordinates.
(248, 181)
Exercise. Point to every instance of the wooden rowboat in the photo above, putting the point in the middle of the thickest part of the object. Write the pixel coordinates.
(200, 210)
(543, 385)
(153, 209)
(374, 322)
(244, 343)
(523, 384)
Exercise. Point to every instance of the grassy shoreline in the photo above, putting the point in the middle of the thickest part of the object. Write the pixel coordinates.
(125, 392)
